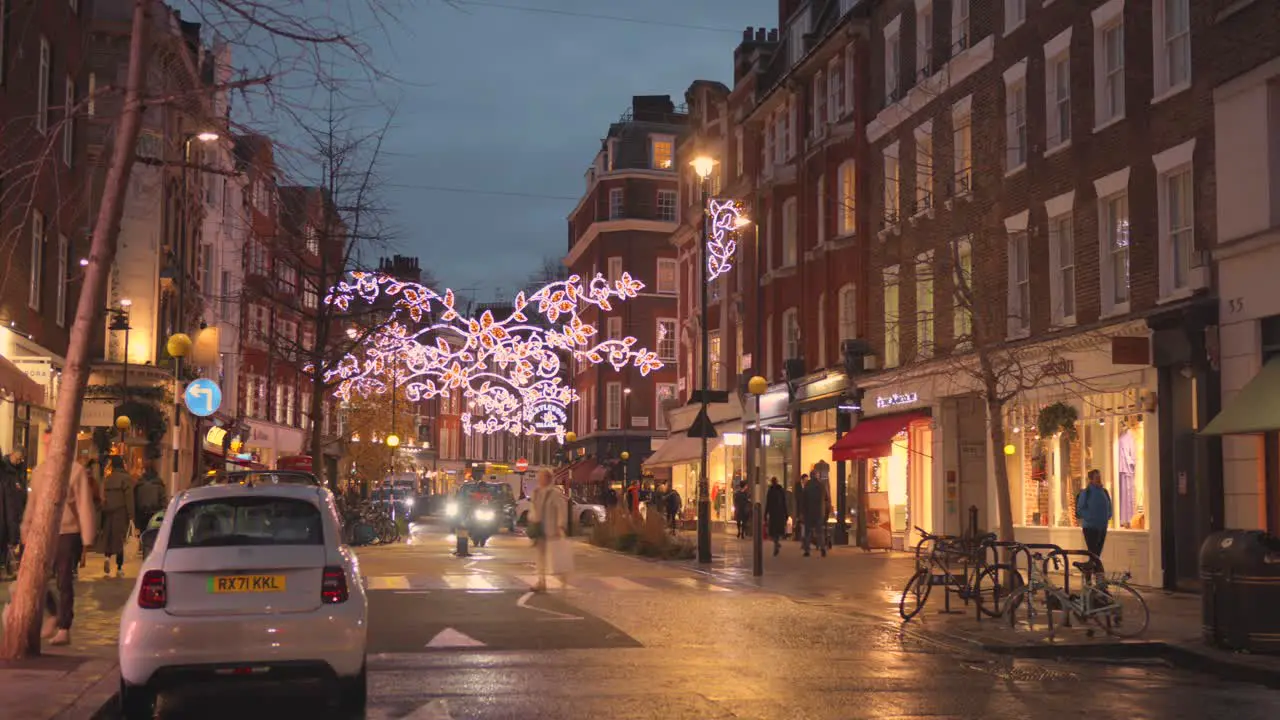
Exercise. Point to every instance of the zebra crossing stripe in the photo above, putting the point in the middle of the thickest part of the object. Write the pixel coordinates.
(388, 582)
(484, 582)
(468, 582)
(621, 583)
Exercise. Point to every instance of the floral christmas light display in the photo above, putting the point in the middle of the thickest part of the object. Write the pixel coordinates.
(726, 218)
(506, 370)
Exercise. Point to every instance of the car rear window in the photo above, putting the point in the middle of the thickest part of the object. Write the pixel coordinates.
(246, 521)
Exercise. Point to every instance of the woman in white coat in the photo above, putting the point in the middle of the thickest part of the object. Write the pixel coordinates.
(547, 521)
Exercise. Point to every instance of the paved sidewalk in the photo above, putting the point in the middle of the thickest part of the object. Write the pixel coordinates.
(851, 580)
(79, 680)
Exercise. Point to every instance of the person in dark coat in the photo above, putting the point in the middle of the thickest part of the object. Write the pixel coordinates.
(741, 508)
(816, 509)
(13, 501)
(797, 507)
(673, 509)
(775, 513)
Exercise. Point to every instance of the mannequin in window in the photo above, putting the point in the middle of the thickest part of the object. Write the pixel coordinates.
(1126, 464)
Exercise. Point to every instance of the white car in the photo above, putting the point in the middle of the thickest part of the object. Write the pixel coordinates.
(584, 514)
(247, 581)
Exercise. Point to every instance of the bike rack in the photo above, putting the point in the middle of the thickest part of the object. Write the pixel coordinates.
(991, 557)
(1027, 548)
(1066, 577)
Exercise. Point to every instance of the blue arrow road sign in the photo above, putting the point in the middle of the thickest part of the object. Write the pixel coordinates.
(203, 397)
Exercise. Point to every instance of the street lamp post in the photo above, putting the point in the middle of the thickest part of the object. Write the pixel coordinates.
(569, 438)
(625, 421)
(758, 386)
(178, 345)
(703, 167)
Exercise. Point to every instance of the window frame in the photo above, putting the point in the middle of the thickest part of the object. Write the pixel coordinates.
(617, 203)
(791, 345)
(893, 61)
(35, 287)
(44, 78)
(892, 185)
(613, 405)
(925, 289)
(790, 232)
(892, 289)
(673, 288)
(962, 146)
(1063, 276)
(657, 140)
(1109, 84)
(847, 180)
(1016, 121)
(674, 339)
(1019, 254)
(847, 312)
(1015, 15)
(1112, 188)
(1166, 84)
(660, 395)
(1057, 93)
(668, 205)
(1176, 162)
(962, 278)
(924, 167)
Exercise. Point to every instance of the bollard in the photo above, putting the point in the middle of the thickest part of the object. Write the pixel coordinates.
(973, 521)
(462, 543)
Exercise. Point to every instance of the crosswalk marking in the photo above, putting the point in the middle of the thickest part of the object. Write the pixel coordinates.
(389, 582)
(469, 582)
(699, 584)
(491, 582)
(621, 583)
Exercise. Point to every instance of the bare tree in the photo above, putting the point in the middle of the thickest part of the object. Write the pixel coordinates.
(283, 38)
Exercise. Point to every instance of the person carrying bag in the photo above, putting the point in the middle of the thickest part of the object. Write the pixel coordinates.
(547, 522)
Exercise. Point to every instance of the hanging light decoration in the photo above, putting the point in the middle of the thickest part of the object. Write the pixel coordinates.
(508, 370)
(726, 217)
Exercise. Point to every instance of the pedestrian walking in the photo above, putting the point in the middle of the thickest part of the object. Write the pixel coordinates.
(674, 503)
(817, 507)
(149, 497)
(1093, 510)
(775, 513)
(741, 508)
(13, 501)
(797, 509)
(76, 531)
(117, 514)
(547, 522)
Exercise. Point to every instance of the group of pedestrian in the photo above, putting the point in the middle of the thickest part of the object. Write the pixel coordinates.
(808, 510)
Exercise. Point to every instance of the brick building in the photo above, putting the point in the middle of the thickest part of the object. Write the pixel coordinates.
(622, 225)
(45, 208)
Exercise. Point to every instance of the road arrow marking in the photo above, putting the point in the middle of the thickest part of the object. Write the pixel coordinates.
(524, 603)
(450, 638)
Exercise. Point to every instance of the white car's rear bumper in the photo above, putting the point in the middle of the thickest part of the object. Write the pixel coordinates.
(155, 645)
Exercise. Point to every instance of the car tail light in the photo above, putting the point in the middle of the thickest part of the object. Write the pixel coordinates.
(333, 586)
(153, 595)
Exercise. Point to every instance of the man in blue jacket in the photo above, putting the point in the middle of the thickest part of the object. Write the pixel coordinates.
(1093, 510)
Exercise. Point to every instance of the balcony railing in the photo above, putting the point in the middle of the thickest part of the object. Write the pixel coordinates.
(640, 211)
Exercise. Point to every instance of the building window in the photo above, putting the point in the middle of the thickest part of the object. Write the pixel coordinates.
(613, 328)
(849, 90)
(64, 262)
(663, 393)
(715, 359)
(617, 203)
(666, 343)
(310, 299)
(286, 274)
(819, 95)
(924, 40)
(795, 38)
(37, 261)
(789, 221)
(821, 215)
(924, 305)
(312, 239)
(847, 312)
(613, 406)
(667, 201)
(1019, 285)
(891, 180)
(1015, 13)
(924, 168)
(1177, 231)
(42, 87)
(1062, 266)
(790, 334)
(768, 348)
(962, 142)
(258, 258)
(962, 300)
(835, 90)
(959, 26)
(1109, 61)
(1115, 243)
(1058, 99)
(1173, 45)
(821, 361)
(892, 61)
(847, 182)
(1015, 99)
(662, 151)
(892, 328)
(69, 123)
(667, 269)
(614, 269)
(740, 158)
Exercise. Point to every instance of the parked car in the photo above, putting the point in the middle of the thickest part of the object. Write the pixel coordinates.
(247, 581)
(584, 514)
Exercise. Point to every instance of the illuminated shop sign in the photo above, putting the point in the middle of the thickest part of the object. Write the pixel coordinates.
(896, 399)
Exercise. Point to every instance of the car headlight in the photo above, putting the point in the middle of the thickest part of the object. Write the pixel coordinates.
(451, 509)
(408, 502)
(485, 514)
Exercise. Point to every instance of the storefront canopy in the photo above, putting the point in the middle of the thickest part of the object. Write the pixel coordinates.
(872, 437)
(679, 449)
(13, 380)
(1255, 409)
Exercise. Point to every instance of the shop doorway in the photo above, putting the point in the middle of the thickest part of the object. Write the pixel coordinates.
(899, 488)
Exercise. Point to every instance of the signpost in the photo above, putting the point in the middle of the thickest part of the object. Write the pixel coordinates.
(203, 397)
(522, 465)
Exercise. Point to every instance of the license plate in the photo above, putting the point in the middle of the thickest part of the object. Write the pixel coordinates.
(246, 584)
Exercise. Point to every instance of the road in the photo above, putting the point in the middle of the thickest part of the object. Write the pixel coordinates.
(463, 638)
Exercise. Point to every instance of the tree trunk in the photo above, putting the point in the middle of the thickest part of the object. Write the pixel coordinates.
(316, 431)
(1004, 498)
(22, 622)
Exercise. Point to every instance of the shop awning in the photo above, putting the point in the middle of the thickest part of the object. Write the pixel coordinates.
(1255, 409)
(872, 437)
(580, 473)
(679, 449)
(20, 384)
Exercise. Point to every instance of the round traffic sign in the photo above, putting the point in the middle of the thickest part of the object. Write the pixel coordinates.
(203, 397)
(522, 465)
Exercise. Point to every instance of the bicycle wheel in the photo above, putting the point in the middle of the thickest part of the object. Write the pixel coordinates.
(993, 585)
(1017, 601)
(1119, 610)
(914, 595)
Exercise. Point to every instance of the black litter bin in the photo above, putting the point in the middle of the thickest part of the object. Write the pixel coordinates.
(1241, 574)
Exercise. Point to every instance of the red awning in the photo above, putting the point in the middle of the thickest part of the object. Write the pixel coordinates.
(581, 471)
(872, 437)
(19, 384)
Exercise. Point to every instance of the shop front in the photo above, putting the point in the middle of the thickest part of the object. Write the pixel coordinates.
(893, 455)
(681, 457)
(266, 443)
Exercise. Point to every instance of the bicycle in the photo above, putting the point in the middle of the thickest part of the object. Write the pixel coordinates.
(1104, 600)
(977, 579)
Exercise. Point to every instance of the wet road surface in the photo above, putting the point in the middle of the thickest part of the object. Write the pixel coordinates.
(462, 638)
